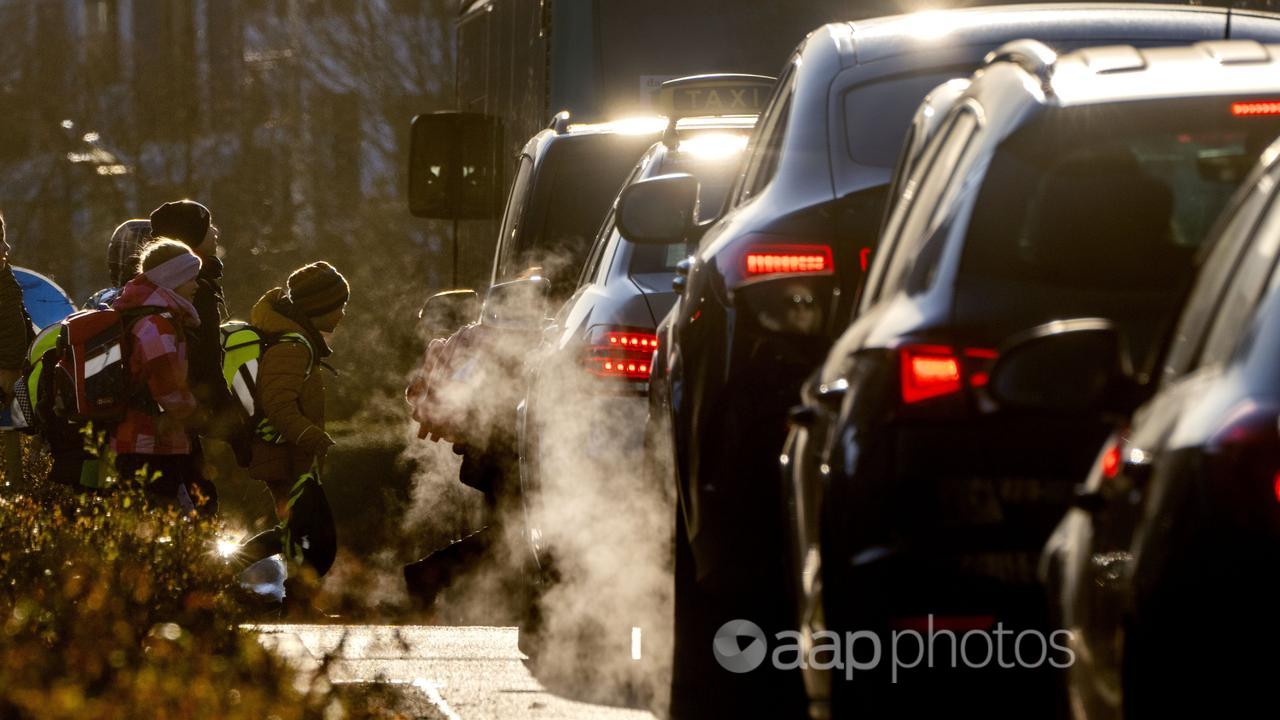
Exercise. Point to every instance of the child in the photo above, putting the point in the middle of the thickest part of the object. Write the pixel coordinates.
(153, 439)
(289, 447)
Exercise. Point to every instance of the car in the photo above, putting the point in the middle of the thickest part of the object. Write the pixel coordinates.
(1170, 552)
(463, 392)
(581, 421)
(1055, 187)
(774, 281)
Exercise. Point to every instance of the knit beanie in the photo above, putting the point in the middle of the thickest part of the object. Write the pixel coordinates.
(126, 244)
(184, 220)
(318, 289)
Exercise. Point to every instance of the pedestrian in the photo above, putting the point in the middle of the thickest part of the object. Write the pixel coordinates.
(288, 452)
(16, 333)
(123, 249)
(191, 223)
(152, 443)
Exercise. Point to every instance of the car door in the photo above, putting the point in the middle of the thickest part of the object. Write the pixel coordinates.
(1140, 467)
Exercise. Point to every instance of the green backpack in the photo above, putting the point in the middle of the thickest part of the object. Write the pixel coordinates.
(243, 346)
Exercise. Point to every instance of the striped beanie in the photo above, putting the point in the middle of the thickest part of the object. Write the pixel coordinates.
(318, 289)
(126, 245)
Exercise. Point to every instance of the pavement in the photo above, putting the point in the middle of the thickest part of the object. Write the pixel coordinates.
(445, 673)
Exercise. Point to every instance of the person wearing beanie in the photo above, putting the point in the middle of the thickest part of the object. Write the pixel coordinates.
(126, 244)
(289, 448)
(153, 441)
(191, 223)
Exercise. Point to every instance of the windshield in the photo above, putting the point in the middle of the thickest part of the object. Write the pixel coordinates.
(877, 115)
(1100, 211)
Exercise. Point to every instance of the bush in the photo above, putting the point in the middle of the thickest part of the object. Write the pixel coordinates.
(110, 608)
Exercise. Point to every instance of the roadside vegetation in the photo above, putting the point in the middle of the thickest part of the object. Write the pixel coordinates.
(112, 609)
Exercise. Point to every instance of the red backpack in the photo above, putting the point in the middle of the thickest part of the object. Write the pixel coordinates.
(93, 380)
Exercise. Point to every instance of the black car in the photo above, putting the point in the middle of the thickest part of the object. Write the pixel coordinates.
(1056, 187)
(774, 281)
(1167, 572)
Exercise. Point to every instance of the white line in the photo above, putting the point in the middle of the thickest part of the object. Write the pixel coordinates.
(432, 691)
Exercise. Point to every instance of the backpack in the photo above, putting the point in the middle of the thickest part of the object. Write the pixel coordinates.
(77, 373)
(94, 382)
(243, 346)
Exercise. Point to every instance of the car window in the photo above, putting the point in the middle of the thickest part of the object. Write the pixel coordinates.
(1234, 230)
(512, 217)
(1243, 292)
(877, 115)
(766, 144)
(1098, 211)
(920, 199)
(576, 185)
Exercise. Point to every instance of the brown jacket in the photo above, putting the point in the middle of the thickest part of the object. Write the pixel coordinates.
(292, 399)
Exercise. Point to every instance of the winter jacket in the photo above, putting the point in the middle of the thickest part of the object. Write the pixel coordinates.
(291, 397)
(205, 369)
(15, 326)
(155, 423)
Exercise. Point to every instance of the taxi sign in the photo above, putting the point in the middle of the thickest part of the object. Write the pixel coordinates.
(719, 94)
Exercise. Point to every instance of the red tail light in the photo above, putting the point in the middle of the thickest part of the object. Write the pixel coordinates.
(1252, 109)
(1111, 458)
(623, 354)
(789, 260)
(931, 371)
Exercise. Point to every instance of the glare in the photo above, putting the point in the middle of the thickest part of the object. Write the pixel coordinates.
(714, 146)
(635, 643)
(227, 546)
(90, 137)
(930, 24)
(628, 126)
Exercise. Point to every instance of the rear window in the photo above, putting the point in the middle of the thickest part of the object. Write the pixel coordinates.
(580, 188)
(1101, 210)
(715, 176)
(877, 115)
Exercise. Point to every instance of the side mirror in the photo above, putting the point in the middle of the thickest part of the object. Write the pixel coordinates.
(517, 304)
(445, 312)
(659, 210)
(1067, 367)
(455, 160)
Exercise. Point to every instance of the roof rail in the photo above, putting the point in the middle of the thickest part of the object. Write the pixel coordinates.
(560, 122)
(1031, 55)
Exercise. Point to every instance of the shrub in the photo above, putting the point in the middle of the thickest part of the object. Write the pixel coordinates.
(110, 608)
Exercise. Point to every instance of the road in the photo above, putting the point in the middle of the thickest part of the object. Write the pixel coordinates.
(447, 673)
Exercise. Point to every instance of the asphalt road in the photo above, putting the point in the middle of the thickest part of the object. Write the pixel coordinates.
(445, 673)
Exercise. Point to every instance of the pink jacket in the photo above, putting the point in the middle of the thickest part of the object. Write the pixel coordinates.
(158, 362)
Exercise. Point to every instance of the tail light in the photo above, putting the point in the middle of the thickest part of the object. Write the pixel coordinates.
(788, 260)
(1245, 453)
(620, 353)
(934, 371)
(765, 256)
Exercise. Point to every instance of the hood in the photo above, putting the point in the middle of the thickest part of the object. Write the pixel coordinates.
(141, 292)
(268, 317)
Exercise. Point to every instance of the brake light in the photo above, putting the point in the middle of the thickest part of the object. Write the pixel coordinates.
(642, 341)
(789, 260)
(621, 354)
(1276, 487)
(1255, 108)
(930, 371)
(1111, 459)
